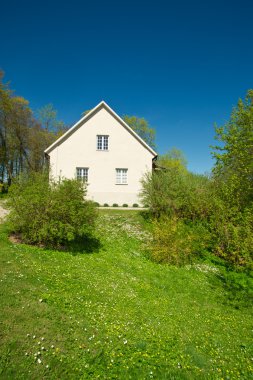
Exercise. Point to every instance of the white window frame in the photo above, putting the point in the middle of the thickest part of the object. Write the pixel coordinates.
(121, 176)
(82, 174)
(102, 142)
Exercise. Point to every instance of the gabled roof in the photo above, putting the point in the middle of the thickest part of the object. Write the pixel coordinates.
(87, 117)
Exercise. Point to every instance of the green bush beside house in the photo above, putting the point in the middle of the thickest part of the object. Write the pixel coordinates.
(50, 213)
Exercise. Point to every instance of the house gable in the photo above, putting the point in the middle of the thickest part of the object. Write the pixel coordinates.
(87, 117)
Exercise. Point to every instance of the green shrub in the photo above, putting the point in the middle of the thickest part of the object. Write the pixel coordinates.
(233, 235)
(125, 205)
(115, 205)
(135, 205)
(96, 204)
(155, 193)
(176, 242)
(106, 205)
(178, 193)
(187, 199)
(50, 214)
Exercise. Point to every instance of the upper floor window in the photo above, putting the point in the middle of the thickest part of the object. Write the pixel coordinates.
(82, 174)
(121, 176)
(102, 142)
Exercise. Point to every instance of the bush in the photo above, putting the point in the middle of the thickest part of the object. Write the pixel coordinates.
(50, 214)
(232, 232)
(115, 205)
(176, 242)
(182, 199)
(125, 205)
(106, 205)
(175, 193)
(96, 204)
(135, 205)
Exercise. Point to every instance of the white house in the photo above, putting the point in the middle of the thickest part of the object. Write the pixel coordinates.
(104, 151)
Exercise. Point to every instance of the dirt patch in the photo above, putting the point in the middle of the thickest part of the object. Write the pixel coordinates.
(15, 239)
(3, 212)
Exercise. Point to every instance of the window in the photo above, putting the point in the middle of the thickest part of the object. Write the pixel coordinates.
(82, 174)
(121, 176)
(102, 142)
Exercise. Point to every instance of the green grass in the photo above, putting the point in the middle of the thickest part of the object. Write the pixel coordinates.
(114, 314)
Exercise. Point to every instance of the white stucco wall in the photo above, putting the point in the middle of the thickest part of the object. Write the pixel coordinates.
(80, 150)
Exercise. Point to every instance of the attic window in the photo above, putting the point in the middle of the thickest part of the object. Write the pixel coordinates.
(102, 142)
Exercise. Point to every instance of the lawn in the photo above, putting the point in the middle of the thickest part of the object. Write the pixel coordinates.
(110, 313)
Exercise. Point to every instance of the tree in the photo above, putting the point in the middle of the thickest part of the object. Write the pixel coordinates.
(22, 139)
(47, 116)
(173, 159)
(5, 108)
(232, 225)
(142, 128)
(39, 140)
(234, 156)
(15, 124)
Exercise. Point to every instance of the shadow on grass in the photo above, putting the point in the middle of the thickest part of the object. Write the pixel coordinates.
(238, 288)
(88, 244)
(237, 284)
(146, 215)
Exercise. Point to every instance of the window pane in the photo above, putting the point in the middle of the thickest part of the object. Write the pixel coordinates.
(105, 142)
(82, 174)
(102, 142)
(121, 176)
(99, 142)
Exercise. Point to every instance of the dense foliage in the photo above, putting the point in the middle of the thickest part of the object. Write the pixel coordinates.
(181, 205)
(173, 192)
(23, 138)
(234, 155)
(233, 174)
(173, 159)
(50, 213)
(177, 242)
(195, 214)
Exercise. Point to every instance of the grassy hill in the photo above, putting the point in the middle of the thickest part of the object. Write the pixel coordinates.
(111, 313)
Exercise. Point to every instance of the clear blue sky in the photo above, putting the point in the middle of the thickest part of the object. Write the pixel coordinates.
(180, 64)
